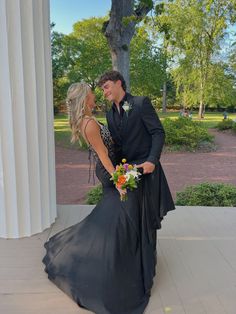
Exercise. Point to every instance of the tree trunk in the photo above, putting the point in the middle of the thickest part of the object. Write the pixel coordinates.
(121, 63)
(164, 97)
(201, 110)
(119, 33)
(201, 106)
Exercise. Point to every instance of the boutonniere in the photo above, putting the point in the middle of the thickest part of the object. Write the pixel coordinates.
(127, 107)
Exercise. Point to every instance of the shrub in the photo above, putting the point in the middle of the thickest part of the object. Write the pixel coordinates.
(185, 133)
(225, 124)
(94, 195)
(234, 127)
(208, 194)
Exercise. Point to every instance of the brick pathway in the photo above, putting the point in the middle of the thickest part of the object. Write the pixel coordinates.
(181, 169)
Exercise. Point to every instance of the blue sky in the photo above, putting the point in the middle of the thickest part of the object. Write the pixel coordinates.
(66, 12)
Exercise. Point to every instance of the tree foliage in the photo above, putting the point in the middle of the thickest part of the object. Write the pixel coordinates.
(94, 56)
(65, 52)
(177, 51)
(84, 55)
(196, 30)
(146, 66)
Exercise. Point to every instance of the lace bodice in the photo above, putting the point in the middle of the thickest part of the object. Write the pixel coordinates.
(101, 172)
(107, 140)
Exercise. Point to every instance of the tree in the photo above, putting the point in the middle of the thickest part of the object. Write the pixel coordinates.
(232, 59)
(186, 79)
(82, 55)
(146, 64)
(120, 28)
(94, 55)
(65, 52)
(220, 91)
(219, 88)
(161, 27)
(197, 29)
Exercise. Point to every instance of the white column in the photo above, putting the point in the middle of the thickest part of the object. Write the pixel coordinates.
(27, 157)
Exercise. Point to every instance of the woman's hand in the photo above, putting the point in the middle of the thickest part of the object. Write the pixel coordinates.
(121, 191)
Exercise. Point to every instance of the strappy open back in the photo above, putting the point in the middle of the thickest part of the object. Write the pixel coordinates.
(107, 140)
(91, 155)
(84, 130)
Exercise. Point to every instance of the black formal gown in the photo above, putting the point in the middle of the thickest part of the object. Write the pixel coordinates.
(106, 262)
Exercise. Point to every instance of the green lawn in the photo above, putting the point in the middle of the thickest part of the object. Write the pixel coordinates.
(62, 132)
(62, 129)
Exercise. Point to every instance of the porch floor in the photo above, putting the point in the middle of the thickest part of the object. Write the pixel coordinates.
(196, 267)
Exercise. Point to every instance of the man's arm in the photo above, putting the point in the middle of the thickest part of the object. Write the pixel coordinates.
(154, 128)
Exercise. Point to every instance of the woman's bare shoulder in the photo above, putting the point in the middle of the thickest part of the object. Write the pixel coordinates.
(89, 125)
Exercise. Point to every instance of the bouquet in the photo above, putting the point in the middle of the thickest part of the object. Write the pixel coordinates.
(125, 176)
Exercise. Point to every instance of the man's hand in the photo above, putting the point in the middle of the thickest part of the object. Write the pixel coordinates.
(148, 167)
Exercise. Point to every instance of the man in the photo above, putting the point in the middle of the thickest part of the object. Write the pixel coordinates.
(139, 137)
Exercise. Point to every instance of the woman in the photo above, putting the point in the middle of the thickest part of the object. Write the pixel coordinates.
(100, 261)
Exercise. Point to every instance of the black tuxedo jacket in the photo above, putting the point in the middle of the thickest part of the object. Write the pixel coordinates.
(141, 137)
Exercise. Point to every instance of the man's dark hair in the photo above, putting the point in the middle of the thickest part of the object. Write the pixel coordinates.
(113, 76)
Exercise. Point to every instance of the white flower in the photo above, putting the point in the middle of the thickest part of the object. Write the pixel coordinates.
(127, 107)
(133, 173)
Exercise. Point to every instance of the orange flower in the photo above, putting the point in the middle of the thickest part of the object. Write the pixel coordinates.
(121, 180)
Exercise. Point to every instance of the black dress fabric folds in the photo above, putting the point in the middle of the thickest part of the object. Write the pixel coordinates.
(106, 262)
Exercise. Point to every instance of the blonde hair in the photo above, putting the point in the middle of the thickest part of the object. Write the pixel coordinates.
(76, 97)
